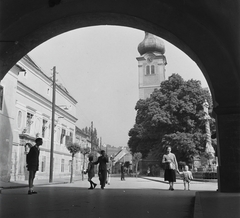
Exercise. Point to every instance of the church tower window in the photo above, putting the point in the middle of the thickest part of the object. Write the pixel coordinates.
(147, 70)
(152, 69)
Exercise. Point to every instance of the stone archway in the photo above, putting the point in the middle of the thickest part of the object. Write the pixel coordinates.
(205, 31)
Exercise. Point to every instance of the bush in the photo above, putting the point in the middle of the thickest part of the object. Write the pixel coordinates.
(209, 175)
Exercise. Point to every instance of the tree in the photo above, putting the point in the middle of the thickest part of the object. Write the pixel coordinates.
(92, 134)
(84, 152)
(136, 158)
(73, 148)
(171, 116)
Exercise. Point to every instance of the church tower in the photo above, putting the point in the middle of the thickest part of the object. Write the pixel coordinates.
(151, 65)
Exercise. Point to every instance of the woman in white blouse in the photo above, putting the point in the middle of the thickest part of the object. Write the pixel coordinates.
(171, 166)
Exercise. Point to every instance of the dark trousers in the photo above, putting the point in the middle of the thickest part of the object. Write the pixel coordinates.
(122, 176)
(102, 177)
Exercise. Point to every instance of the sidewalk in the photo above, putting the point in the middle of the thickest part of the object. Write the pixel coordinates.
(38, 182)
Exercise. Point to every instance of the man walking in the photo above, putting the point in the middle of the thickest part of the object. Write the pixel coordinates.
(33, 163)
(122, 172)
(102, 168)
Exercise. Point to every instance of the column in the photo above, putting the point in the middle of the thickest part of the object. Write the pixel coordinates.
(228, 136)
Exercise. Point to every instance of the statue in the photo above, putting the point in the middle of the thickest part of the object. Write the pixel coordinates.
(209, 148)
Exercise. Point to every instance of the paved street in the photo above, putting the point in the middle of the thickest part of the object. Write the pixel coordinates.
(135, 197)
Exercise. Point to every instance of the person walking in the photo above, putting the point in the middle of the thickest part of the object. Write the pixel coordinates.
(102, 168)
(90, 172)
(33, 163)
(186, 176)
(171, 165)
(122, 172)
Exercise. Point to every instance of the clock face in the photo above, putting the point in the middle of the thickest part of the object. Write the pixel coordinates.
(149, 57)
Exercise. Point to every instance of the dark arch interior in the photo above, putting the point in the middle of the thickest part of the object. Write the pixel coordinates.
(207, 31)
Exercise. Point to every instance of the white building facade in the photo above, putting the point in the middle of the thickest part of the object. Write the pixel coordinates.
(30, 117)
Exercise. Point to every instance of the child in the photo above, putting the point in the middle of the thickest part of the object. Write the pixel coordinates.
(90, 172)
(187, 177)
(108, 177)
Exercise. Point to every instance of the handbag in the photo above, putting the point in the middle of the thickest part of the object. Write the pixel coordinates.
(171, 166)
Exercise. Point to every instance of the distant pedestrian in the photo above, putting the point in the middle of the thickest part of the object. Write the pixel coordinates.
(122, 172)
(170, 161)
(186, 176)
(102, 168)
(148, 171)
(90, 172)
(33, 163)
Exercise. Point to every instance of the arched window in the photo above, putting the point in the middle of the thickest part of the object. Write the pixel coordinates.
(147, 70)
(152, 69)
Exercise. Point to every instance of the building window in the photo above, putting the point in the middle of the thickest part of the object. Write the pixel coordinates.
(43, 164)
(19, 119)
(147, 70)
(29, 122)
(62, 136)
(152, 69)
(1, 98)
(44, 128)
(62, 165)
(71, 136)
(69, 139)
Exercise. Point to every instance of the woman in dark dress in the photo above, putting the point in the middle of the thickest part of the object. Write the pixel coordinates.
(171, 166)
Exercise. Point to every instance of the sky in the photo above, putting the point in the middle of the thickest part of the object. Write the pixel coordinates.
(98, 67)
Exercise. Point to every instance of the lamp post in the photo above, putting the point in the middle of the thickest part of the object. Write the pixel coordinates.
(53, 122)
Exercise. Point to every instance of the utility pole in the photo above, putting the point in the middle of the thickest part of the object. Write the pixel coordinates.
(53, 125)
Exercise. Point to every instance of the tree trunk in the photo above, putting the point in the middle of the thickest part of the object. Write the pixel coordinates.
(83, 168)
(71, 178)
(136, 168)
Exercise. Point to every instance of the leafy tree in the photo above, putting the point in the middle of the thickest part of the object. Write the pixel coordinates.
(136, 158)
(73, 148)
(171, 116)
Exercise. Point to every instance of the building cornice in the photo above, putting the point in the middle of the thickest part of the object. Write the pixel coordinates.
(39, 98)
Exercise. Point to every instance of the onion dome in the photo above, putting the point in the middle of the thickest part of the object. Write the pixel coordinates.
(151, 44)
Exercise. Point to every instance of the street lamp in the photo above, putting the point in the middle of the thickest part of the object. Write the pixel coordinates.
(64, 107)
